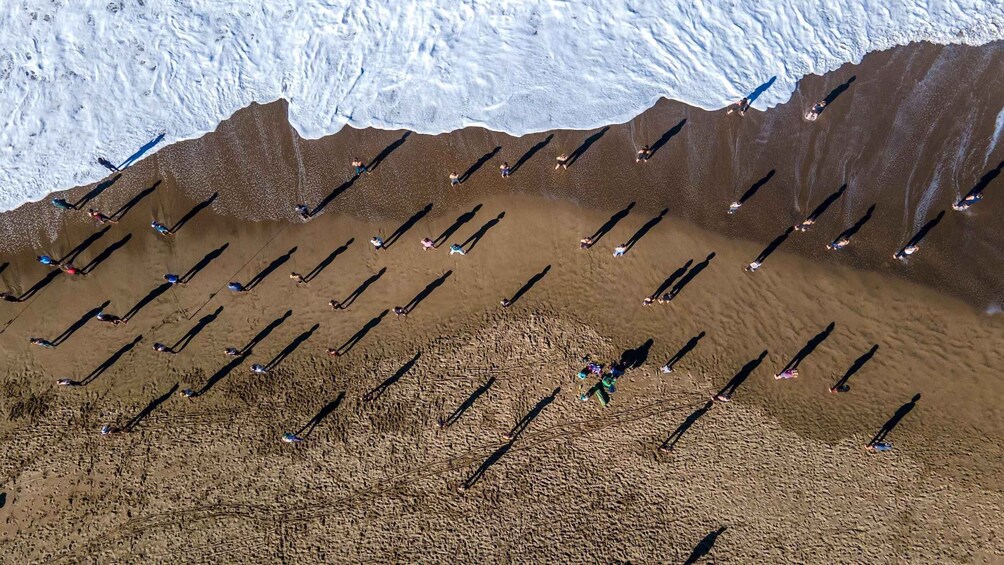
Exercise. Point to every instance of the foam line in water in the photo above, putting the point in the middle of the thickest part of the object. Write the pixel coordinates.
(91, 78)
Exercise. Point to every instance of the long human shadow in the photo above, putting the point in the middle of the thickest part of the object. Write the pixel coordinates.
(837, 92)
(108, 363)
(687, 348)
(142, 150)
(204, 262)
(691, 274)
(3, 267)
(491, 460)
(894, 421)
(407, 225)
(645, 229)
(760, 90)
(609, 225)
(138, 418)
(855, 367)
(264, 333)
(466, 404)
(275, 264)
(221, 374)
(194, 212)
(361, 289)
(330, 407)
(756, 186)
(425, 292)
(985, 180)
(334, 194)
(581, 150)
(524, 422)
(472, 241)
(528, 285)
(670, 279)
(670, 442)
(922, 233)
(150, 297)
(827, 202)
(44, 282)
(95, 192)
(83, 245)
(381, 388)
(730, 387)
(289, 349)
(773, 245)
(182, 343)
(121, 212)
(327, 260)
(105, 254)
(704, 547)
(530, 153)
(809, 347)
(459, 223)
(664, 138)
(61, 338)
(386, 152)
(634, 358)
(849, 232)
(359, 335)
(480, 163)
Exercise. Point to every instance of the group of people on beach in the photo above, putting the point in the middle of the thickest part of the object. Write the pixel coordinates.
(606, 377)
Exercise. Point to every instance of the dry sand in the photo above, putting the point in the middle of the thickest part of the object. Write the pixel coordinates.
(780, 474)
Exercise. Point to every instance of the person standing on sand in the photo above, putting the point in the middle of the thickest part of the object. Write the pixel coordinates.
(232, 352)
(8, 297)
(838, 243)
(109, 319)
(586, 242)
(67, 382)
(99, 217)
(47, 261)
(504, 169)
(161, 228)
(562, 161)
(335, 305)
(291, 438)
(173, 279)
(620, 250)
(235, 286)
(454, 178)
(70, 269)
(786, 374)
(377, 242)
(817, 109)
(107, 164)
(41, 342)
(259, 369)
(643, 154)
(62, 204)
(298, 278)
(188, 393)
(399, 311)
(740, 106)
(303, 211)
(161, 348)
(456, 248)
(752, 267)
(906, 252)
(360, 167)
(428, 244)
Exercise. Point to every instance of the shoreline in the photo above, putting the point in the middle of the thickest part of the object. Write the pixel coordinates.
(264, 170)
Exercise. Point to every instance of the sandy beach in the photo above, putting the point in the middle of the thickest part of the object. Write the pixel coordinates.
(404, 455)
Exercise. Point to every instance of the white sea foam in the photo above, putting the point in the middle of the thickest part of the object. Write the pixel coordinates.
(81, 79)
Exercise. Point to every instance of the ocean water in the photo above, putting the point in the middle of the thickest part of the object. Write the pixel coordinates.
(82, 79)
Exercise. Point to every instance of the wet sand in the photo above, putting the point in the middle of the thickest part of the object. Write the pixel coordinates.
(781, 467)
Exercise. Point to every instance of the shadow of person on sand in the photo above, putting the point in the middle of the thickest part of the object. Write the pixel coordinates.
(105, 255)
(528, 285)
(275, 264)
(466, 404)
(730, 387)
(327, 261)
(381, 388)
(359, 335)
(121, 212)
(111, 361)
(664, 139)
(644, 229)
(894, 421)
(328, 408)
(670, 442)
(841, 385)
(808, 348)
(610, 223)
(480, 163)
(581, 150)
(704, 546)
(459, 223)
(386, 152)
(530, 153)
(425, 292)
(407, 225)
(149, 409)
(203, 263)
(61, 338)
(359, 290)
